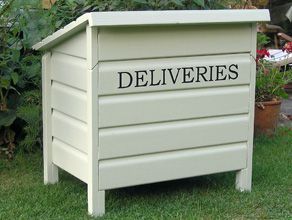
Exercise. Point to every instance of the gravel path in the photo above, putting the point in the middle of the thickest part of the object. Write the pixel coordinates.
(286, 111)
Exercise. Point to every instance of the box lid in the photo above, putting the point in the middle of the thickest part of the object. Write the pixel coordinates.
(152, 18)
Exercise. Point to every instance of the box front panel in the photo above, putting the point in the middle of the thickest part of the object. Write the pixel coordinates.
(128, 171)
(168, 136)
(154, 111)
(149, 75)
(126, 43)
(172, 105)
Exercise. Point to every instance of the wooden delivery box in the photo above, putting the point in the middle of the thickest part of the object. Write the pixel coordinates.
(132, 98)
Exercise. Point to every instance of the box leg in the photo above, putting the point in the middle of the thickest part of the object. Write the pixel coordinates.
(243, 180)
(244, 176)
(96, 197)
(50, 169)
(50, 172)
(96, 201)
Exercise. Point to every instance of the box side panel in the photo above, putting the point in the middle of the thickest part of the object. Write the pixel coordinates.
(122, 43)
(74, 46)
(69, 70)
(69, 106)
(70, 159)
(143, 169)
(69, 100)
(70, 130)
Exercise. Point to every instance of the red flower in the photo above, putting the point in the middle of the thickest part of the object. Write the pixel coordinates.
(288, 47)
(262, 53)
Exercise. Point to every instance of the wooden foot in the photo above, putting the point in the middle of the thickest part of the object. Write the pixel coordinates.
(96, 202)
(243, 180)
(51, 175)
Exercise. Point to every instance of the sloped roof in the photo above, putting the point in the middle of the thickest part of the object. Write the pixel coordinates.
(147, 18)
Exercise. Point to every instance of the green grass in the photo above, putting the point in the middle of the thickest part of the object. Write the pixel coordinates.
(23, 195)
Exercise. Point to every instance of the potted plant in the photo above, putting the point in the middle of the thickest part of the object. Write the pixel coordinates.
(270, 82)
(288, 48)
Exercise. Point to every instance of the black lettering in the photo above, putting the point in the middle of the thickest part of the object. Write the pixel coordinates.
(220, 72)
(121, 86)
(211, 73)
(201, 73)
(176, 76)
(163, 77)
(140, 78)
(187, 75)
(233, 71)
(152, 79)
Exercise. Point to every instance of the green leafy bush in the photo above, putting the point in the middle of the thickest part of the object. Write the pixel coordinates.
(19, 70)
(29, 111)
(262, 40)
(270, 82)
(65, 11)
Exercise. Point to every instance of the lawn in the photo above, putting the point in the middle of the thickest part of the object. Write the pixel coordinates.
(23, 195)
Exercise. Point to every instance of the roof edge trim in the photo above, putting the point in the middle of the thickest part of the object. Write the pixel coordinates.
(63, 33)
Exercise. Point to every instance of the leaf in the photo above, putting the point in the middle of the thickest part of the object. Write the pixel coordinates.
(4, 83)
(178, 2)
(87, 8)
(15, 55)
(200, 2)
(14, 77)
(59, 23)
(141, 1)
(7, 118)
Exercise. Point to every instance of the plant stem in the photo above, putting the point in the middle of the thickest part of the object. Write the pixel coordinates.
(3, 104)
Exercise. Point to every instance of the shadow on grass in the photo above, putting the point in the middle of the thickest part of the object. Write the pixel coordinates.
(221, 180)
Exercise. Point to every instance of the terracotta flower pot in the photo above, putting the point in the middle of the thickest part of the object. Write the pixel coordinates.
(266, 117)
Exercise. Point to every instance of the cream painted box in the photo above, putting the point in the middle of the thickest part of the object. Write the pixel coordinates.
(139, 97)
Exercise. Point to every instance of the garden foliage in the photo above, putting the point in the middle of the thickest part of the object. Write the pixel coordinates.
(270, 80)
(19, 74)
(23, 23)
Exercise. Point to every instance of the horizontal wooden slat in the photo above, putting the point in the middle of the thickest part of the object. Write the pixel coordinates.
(128, 171)
(172, 105)
(173, 73)
(120, 43)
(69, 70)
(70, 159)
(158, 137)
(69, 100)
(69, 130)
(75, 46)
